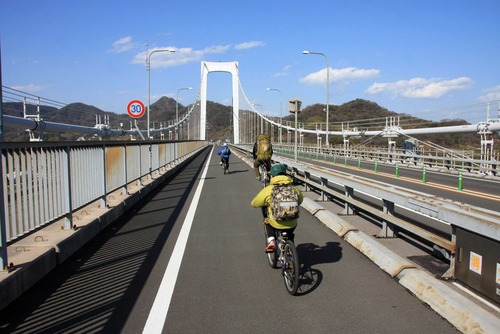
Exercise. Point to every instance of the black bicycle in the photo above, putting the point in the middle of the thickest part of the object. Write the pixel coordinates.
(285, 254)
(225, 166)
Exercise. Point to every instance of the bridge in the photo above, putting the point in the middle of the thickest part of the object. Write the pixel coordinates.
(123, 237)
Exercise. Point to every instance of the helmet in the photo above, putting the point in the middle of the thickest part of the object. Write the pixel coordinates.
(278, 169)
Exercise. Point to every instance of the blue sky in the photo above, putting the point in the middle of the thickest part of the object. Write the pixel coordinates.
(414, 57)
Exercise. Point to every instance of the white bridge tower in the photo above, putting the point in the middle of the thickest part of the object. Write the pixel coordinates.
(206, 68)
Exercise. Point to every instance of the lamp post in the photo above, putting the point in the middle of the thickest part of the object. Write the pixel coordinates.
(294, 107)
(281, 112)
(177, 112)
(148, 69)
(327, 87)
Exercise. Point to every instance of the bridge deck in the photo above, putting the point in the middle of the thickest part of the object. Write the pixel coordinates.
(224, 283)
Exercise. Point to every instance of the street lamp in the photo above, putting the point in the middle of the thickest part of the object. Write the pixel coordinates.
(148, 68)
(177, 112)
(327, 87)
(281, 112)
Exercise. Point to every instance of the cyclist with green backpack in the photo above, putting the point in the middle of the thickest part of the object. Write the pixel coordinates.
(262, 153)
(280, 202)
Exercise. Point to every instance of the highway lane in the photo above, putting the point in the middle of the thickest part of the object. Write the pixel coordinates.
(224, 284)
(477, 191)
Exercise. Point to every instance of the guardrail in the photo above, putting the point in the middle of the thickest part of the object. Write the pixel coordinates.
(45, 182)
(451, 160)
(442, 211)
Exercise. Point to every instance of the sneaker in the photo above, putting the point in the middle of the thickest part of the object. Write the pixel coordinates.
(220, 163)
(270, 246)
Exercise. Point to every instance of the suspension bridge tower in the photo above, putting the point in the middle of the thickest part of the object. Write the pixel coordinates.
(229, 67)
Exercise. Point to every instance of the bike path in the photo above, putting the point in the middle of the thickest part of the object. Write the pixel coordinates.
(225, 284)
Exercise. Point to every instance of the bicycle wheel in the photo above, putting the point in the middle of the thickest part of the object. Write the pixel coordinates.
(263, 175)
(291, 267)
(272, 258)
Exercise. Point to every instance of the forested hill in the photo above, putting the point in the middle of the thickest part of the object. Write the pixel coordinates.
(218, 117)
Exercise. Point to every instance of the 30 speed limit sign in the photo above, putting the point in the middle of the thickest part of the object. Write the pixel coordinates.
(136, 109)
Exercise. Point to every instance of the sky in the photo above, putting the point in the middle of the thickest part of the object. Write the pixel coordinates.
(434, 59)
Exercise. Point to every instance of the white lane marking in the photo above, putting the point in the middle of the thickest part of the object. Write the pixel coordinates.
(159, 310)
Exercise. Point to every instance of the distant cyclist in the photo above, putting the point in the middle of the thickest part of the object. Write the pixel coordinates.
(262, 153)
(276, 199)
(224, 153)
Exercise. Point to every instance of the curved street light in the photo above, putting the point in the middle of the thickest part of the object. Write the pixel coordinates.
(177, 112)
(148, 69)
(327, 87)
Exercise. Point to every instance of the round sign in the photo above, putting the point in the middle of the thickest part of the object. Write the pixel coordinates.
(136, 109)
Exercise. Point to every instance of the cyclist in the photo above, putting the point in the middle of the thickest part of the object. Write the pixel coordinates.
(224, 153)
(262, 153)
(263, 200)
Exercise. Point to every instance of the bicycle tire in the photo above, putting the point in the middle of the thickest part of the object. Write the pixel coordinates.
(263, 175)
(272, 258)
(291, 267)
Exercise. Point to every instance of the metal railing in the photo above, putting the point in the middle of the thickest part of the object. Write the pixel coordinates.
(45, 182)
(459, 160)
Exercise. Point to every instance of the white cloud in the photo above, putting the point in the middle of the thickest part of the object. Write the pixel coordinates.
(122, 45)
(181, 56)
(492, 94)
(283, 72)
(31, 88)
(216, 49)
(249, 45)
(343, 74)
(421, 88)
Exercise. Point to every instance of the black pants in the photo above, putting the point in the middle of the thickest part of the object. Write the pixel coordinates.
(270, 231)
(258, 162)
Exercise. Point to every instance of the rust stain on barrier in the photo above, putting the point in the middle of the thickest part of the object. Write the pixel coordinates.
(114, 156)
(400, 268)
(461, 319)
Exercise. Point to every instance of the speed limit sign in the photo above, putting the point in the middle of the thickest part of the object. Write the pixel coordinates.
(136, 109)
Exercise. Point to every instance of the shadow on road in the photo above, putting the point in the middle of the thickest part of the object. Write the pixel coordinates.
(311, 254)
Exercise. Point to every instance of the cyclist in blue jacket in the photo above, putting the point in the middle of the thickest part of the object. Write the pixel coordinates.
(224, 153)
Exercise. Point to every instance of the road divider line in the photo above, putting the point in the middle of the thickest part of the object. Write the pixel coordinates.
(161, 304)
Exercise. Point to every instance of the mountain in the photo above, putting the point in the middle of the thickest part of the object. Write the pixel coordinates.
(162, 111)
(219, 120)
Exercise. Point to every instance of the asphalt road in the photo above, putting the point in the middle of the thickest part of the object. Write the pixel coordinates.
(224, 284)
